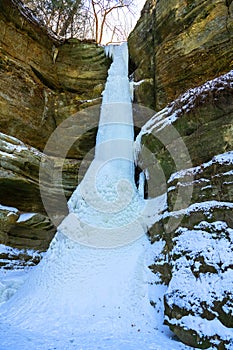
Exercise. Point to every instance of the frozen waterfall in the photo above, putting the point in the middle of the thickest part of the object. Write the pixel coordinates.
(93, 288)
(107, 207)
(94, 276)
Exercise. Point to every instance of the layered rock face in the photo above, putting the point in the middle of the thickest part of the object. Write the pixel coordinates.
(178, 46)
(181, 56)
(44, 82)
(185, 149)
(186, 152)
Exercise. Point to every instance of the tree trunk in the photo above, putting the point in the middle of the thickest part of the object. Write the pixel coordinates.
(69, 20)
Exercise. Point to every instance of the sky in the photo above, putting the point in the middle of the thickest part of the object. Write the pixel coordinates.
(124, 23)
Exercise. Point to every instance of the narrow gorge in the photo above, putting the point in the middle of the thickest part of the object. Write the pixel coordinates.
(181, 70)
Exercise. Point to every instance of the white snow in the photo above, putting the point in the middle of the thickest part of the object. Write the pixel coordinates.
(132, 84)
(137, 83)
(11, 280)
(205, 327)
(202, 206)
(86, 294)
(10, 145)
(223, 159)
(200, 242)
(11, 209)
(22, 217)
(183, 104)
(25, 217)
(5, 154)
(109, 49)
(195, 288)
(11, 259)
(16, 145)
(190, 286)
(90, 100)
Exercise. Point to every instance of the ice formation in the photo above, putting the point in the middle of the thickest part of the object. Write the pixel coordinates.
(93, 288)
(79, 287)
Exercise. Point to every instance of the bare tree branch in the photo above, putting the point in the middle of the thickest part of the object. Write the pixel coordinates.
(70, 17)
(85, 18)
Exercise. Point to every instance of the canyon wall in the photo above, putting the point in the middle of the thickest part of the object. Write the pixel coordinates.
(179, 45)
(44, 81)
(181, 59)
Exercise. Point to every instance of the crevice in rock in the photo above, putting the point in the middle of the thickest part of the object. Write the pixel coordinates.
(228, 3)
(45, 81)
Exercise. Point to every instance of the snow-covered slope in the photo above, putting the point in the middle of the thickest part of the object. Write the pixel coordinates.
(95, 292)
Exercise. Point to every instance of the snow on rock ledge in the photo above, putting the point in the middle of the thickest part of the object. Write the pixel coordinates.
(195, 236)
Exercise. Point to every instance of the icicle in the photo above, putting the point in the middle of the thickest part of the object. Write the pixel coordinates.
(109, 51)
(141, 184)
(137, 147)
(93, 276)
(131, 89)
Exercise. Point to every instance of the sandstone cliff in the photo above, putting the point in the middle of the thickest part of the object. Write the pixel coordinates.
(178, 46)
(44, 81)
(181, 54)
(190, 142)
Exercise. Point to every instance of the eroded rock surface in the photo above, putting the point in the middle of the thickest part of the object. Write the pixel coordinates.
(179, 45)
(24, 222)
(191, 141)
(44, 81)
(181, 53)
